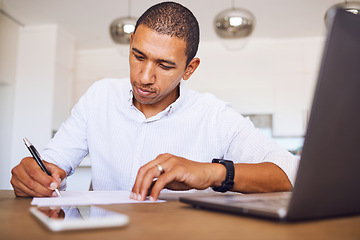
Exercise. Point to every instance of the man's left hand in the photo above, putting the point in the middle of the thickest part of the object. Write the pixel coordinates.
(175, 173)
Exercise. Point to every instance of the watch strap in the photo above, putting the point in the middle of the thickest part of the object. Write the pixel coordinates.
(228, 183)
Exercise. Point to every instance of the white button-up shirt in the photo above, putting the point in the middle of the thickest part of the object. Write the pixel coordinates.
(120, 139)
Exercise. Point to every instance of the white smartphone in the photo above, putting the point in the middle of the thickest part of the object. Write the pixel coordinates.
(78, 217)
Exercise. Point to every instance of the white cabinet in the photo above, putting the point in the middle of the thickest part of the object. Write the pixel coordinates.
(81, 179)
(290, 108)
(293, 95)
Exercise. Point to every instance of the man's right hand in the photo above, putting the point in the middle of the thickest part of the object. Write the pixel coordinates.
(28, 180)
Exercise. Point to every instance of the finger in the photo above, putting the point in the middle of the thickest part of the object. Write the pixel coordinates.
(19, 193)
(150, 188)
(18, 188)
(148, 182)
(35, 188)
(30, 179)
(22, 190)
(57, 173)
(162, 181)
(180, 177)
(179, 186)
(139, 189)
(39, 181)
(135, 192)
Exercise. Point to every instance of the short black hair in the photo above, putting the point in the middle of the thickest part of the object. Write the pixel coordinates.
(175, 20)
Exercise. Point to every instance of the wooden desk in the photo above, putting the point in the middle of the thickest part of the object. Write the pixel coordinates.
(173, 220)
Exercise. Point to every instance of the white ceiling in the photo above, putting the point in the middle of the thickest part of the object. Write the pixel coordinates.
(88, 20)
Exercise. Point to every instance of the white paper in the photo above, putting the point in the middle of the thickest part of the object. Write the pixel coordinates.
(88, 198)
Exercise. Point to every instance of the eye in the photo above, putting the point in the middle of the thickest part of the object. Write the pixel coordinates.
(139, 57)
(165, 67)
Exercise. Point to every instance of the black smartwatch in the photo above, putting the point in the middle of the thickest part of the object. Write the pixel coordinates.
(230, 172)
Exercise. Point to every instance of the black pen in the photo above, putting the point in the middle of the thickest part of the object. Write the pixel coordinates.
(37, 158)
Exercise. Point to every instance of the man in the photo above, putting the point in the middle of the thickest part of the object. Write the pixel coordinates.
(155, 128)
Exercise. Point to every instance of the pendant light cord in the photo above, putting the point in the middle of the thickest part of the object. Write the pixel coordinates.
(9, 16)
(129, 8)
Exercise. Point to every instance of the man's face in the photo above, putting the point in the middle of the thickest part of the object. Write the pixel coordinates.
(157, 65)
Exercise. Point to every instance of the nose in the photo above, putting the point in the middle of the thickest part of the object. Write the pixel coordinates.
(147, 74)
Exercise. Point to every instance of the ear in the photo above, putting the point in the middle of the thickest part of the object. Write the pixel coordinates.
(190, 69)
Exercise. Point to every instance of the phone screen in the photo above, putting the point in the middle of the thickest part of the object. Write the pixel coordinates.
(78, 217)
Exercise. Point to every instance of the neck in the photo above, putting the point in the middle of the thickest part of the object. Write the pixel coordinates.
(150, 110)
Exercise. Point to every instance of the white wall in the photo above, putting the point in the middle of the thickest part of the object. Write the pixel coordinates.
(63, 78)
(33, 106)
(247, 78)
(269, 76)
(9, 34)
(36, 93)
(264, 77)
(95, 64)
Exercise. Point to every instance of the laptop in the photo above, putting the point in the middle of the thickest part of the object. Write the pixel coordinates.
(328, 177)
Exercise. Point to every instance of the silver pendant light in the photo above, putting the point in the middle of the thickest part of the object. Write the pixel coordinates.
(353, 7)
(122, 28)
(234, 24)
